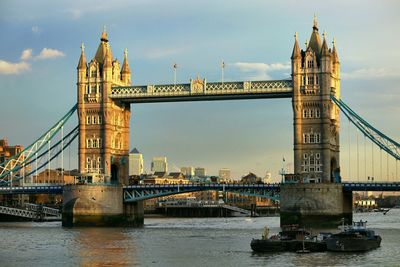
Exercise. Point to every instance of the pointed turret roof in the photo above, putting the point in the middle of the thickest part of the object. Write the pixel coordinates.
(315, 40)
(134, 151)
(107, 59)
(334, 53)
(296, 49)
(324, 49)
(82, 59)
(103, 48)
(125, 65)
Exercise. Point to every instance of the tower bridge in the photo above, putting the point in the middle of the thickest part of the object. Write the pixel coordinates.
(104, 98)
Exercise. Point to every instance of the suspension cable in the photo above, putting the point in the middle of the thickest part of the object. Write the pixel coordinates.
(380, 158)
(348, 131)
(365, 157)
(372, 161)
(358, 157)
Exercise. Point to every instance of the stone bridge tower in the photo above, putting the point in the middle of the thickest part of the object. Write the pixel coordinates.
(103, 123)
(316, 75)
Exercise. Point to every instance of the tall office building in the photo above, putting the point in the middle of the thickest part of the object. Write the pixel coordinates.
(187, 171)
(200, 172)
(159, 164)
(224, 174)
(135, 162)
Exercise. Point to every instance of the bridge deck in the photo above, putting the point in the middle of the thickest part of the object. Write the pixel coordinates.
(57, 189)
(200, 90)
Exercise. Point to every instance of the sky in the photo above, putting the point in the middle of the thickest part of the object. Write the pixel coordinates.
(40, 49)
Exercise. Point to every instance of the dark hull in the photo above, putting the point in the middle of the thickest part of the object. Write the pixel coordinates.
(352, 244)
(260, 245)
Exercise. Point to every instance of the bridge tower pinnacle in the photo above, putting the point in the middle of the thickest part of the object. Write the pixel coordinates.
(103, 122)
(316, 121)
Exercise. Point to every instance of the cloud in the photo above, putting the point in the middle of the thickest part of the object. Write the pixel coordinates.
(49, 53)
(370, 73)
(13, 68)
(26, 54)
(261, 71)
(35, 29)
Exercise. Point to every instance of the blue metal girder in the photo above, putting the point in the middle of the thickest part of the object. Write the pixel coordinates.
(380, 139)
(18, 161)
(29, 190)
(142, 192)
(353, 186)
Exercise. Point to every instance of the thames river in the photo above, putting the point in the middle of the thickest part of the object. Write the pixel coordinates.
(180, 242)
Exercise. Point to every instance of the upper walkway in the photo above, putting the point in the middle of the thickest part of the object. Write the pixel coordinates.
(200, 90)
(57, 189)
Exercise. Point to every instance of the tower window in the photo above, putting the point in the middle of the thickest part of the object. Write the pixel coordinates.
(316, 80)
(88, 119)
(305, 138)
(311, 113)
(310, 64)
(312, 138)
(317, 113)
(317, 155)
(310, 80)
(305, 113)
(305, 156)
(317, 138)
(312, 162)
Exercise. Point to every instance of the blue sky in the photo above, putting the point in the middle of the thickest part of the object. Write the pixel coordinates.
(40, 49)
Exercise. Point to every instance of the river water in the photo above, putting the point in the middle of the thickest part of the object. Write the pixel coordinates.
(180, 242)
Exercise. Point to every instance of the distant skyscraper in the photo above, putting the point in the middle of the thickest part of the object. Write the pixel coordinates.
(187, 171)
(200, 172)
(159, 164)
(224, 174)
(135, 162)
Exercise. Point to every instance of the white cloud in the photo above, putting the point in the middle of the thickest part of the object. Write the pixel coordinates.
(26, 54)
(261, 71)
(13, 68)
(35, 29)
(49, 53)
(370, 73)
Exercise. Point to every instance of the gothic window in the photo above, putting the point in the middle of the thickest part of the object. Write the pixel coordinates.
(93, 89)
(304, 80)
(305, 138)
(317, 155)
(94, 119)
(88, 119)
(100, 119)
(312, 161)
(316, 80)
(305, 113)
(89, 143)
(88, 164)
(99, 163)
(317, 113)
(95, 144)
(317, 168)
(310, 64)
(305, 156)
(312, 139)
(311, 113)
(317, 138)
(93, 73)
(310, 80)
(87, 89)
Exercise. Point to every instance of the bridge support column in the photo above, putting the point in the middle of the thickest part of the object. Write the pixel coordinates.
(315, 205)
(98, 205)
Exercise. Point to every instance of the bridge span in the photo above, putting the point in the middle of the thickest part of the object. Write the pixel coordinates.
(133, 193)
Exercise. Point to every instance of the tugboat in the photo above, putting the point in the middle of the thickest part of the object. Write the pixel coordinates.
(291, 238)
(354, 238)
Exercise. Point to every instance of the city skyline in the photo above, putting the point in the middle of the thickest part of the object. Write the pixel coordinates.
(40, 54)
